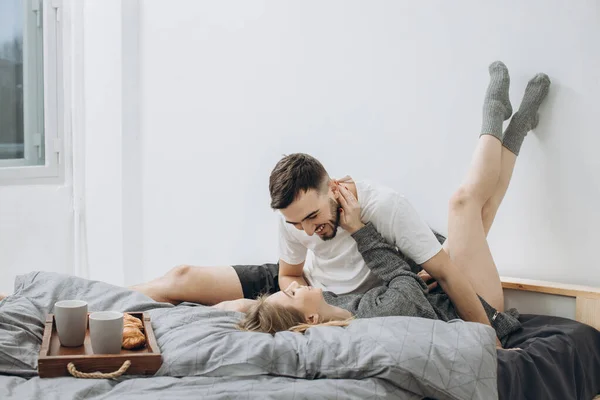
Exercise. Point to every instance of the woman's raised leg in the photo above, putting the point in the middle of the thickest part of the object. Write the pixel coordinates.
(467, 244)
(524, 120)
(474, 205)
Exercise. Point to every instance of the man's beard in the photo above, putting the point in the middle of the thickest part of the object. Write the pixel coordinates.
(335, 221)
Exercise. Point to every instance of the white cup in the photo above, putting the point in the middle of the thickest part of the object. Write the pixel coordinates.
(71, 322)
(106, 332)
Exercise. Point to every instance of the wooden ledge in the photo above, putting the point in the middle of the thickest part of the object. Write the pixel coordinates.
(560, 289)
(587, 298)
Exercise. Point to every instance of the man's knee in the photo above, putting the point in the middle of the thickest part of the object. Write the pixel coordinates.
(178, 276)
(179, 271)
(204, 285)
(168, 287)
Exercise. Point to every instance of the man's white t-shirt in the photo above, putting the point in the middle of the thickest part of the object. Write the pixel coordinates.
(336, 265)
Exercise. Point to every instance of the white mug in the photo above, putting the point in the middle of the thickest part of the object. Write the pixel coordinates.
(71, 322)
(106, 332)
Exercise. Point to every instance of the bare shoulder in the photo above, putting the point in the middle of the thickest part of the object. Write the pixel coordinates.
(240, 305)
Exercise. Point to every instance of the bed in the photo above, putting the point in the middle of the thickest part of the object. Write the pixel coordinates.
(561, 356)
(204, 356)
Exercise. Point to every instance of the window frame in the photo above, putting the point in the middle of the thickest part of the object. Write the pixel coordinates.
(49, 14)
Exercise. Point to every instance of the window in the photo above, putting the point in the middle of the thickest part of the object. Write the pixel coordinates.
(29, 81)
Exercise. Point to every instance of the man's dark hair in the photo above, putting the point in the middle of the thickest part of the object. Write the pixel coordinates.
(292, 174)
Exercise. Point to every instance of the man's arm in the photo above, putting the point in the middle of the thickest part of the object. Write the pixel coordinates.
(289, 273)
(293, 251)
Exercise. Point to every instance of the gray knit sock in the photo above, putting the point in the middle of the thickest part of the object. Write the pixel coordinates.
(526, 118)
(496, 106)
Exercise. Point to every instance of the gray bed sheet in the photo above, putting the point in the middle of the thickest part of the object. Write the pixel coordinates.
(257, 387)
(205, 356)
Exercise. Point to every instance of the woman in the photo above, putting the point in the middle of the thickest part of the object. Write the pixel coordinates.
(471, 213)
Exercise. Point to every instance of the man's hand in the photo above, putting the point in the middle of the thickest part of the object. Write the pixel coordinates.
(285, 281)
(289, 273)
(350, 211)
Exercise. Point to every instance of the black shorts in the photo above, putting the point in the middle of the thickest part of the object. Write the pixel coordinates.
(258, 279)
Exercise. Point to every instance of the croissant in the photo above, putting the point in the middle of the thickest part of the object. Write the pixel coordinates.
(133, 335)
(129, 319)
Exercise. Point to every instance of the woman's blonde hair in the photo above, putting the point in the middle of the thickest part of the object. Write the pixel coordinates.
(271, 318)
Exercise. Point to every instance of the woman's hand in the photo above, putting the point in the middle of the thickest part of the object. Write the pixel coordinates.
(350, 211)
(428, 279)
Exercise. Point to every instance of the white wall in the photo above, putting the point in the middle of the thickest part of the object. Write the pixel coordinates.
(389, 91)
(35, 231)
(180, 139)
(102, 65)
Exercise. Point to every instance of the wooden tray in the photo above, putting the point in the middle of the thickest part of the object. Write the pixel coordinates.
(54, 358)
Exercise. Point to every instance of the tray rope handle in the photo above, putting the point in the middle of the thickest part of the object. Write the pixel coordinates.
(98, 375)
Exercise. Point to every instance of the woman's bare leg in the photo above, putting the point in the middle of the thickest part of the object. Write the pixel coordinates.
(490, 208)
(467, 244)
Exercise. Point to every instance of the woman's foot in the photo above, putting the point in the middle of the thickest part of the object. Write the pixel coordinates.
(496, 105)
(526, 118)
(2, 296)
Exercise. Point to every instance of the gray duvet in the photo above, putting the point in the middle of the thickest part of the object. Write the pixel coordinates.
(204, 356)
